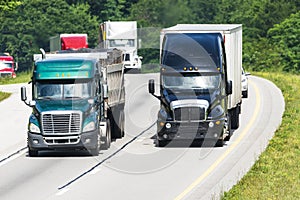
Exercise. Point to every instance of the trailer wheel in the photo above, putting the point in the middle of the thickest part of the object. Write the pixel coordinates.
(245, 94)
(32, 153)
(235, 118)
(118, 125)
(107, 138)
(122, 123)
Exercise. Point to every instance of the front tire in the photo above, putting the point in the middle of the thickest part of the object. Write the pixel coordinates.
(32, 153)
(107, 139)
(161, 143)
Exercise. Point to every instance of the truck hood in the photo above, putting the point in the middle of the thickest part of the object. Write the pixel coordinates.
(51, 105)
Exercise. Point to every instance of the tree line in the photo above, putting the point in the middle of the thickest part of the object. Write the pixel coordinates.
(271, 28)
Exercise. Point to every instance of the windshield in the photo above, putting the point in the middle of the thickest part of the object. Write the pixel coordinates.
(62, 90)
(191, 81)
(121, 43)
(4, 65)
(191, 49)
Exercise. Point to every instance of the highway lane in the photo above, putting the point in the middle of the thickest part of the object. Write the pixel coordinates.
(133, 168)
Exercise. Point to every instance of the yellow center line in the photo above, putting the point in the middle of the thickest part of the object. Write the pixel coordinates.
(229, 150)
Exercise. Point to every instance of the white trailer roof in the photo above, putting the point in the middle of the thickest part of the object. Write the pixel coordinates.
(94, 55)
(121, 29)
(203, 27)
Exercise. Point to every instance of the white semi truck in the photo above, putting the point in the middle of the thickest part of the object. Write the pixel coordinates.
(200, 82)
(121, 35)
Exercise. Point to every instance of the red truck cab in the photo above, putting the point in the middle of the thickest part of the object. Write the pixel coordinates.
(7, 66)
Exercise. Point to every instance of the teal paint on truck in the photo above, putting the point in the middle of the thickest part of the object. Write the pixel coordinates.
(77, 98)
(64, 69)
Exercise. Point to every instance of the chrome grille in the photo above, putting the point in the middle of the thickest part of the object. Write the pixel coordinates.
(189, 114)
(61, 122)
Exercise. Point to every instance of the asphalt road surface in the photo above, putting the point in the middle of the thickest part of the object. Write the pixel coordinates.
(134, 168)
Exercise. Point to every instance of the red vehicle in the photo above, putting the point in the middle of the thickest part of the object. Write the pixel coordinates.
(7, 66)
(68, 41)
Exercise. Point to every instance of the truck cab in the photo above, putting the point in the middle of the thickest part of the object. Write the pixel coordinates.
(66, 102)
(7, 66)
(193, 88)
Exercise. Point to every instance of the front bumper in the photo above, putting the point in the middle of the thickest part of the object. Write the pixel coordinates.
(209, 129)
(88, 140)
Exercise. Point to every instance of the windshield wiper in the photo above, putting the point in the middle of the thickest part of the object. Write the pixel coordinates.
(73, 97)
(45, 97)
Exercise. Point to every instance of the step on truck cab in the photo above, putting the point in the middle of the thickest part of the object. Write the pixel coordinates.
(77, 101)
(198, 79)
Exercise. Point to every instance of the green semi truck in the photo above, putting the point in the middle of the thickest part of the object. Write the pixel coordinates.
(77, 101)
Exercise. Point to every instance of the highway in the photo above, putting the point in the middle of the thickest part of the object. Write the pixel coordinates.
(134, 168)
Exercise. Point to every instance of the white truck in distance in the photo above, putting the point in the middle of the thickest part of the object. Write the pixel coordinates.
(122, 35)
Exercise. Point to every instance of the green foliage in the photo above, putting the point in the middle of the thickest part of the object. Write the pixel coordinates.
(29, 26)
(286, 36)
(6, 5)
(108, 9)
(277, 52)
(257, 16)
(276, 174)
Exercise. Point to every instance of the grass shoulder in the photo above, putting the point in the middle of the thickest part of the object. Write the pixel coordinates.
(22, 77)
(275, 175)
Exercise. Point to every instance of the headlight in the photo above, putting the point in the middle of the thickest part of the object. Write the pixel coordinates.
(34, 128)
(89, 127)
(216, 111)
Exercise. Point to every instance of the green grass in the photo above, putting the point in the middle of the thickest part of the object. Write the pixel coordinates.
(276, 174)
(22, 77)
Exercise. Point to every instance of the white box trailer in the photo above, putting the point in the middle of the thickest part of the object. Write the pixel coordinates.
(232, 34)
(121, 35)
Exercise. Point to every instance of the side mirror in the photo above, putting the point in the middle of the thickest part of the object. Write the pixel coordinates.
(151, 86)
(229, 88)
(16, 66)
(23, 94)
(105, 91)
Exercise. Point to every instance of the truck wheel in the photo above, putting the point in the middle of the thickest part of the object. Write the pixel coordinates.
(227, 138)
(235, 118)
(107, 139)
(245, 94)
(32, 153)
(122, 123)
(95, 151)
(118, 125)
(220, 143)
(161, 143)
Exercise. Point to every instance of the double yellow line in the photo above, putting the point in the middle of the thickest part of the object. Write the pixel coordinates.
(229, 150)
